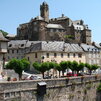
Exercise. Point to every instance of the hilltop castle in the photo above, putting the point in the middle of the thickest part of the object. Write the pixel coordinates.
(59, 29)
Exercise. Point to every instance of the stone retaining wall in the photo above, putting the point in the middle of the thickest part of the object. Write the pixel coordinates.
(62, 89)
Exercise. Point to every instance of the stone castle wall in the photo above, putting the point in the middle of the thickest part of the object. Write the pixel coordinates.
(63, 89)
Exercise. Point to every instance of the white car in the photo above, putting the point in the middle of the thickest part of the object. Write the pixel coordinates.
(29, 76)
(33, 77)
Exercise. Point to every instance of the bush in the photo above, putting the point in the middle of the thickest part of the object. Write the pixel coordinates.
(99, 88)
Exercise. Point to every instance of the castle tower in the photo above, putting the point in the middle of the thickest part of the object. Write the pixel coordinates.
(44, 11)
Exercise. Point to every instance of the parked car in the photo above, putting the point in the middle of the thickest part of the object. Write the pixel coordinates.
(28, 76)
(71, 74)
(33, 77)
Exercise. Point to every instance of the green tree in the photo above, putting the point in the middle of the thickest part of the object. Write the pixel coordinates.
(69, 64)
(74, 66)
(64, 65)
(36, 65)
(26, 64)
(43, 67)
(4, 33)
(89, 67)
(18, 66)
(58, 67)
(94, 67)
(80, 67)
(52, 65)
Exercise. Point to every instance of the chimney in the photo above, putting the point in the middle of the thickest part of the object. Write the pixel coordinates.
(62, 15)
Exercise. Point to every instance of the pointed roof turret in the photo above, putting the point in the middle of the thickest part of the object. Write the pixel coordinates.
(2, 38)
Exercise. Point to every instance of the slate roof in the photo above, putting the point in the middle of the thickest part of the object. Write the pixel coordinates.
(98, 45)
(89, 48)
(20, 43)
(56, 46)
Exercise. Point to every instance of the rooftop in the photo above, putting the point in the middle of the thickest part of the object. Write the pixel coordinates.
(2, 38)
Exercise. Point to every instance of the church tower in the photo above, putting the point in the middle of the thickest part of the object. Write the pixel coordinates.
(44, 11)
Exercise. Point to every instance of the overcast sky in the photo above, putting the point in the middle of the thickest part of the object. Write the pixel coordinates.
(15, 12)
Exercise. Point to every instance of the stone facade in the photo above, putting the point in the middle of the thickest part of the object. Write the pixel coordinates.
(63, 89)
(3, 51)
(93, 55)
(44, 29)
(42, 51)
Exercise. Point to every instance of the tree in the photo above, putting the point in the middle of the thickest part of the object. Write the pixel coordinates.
(26, 64)
(52, 65)
(74, 66)
(43, 67)
(58, 67)
(36, 65)
(89, 67)
(4, 33)
(69, 64)
(80, 67)
(18, 66)
(94, 67)
(64, 66)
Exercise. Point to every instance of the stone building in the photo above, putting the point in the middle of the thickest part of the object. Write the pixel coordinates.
(17, 49)
(55, 51)
(42, 51)
(3, 51)
(92, 54)
(59, 29)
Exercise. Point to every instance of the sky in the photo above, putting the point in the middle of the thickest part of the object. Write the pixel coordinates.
(15, 12)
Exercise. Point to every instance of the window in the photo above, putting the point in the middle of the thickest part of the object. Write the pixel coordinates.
(51, 30)
(79, 55)
(7, 95)
(54, 30)
(68, 55)
(62, 55)
(17, 51)
(22, 45)
(77, 23)
(8, 51)
(47, 55)
(35, 55)
(35, 23)
(74, 55)
(10, 45)
(28, 58)
(57, 30)
(12, 51)
(55, 55)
